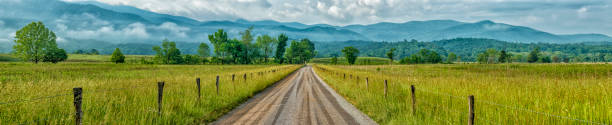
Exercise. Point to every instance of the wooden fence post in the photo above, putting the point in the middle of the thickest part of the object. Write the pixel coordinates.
(344, 75)
(367, 82)
(217, 84)
(233, 75)
(78, 97)
(385, 88)
(245, 77)
(413, 99)
(160, 93)
(471, 102)
(198, 83)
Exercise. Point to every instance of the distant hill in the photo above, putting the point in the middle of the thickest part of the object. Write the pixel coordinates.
(117, 24)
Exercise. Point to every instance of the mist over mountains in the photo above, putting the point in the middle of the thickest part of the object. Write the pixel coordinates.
(91, 24)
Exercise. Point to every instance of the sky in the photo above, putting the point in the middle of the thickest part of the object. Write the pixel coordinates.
(556, 16)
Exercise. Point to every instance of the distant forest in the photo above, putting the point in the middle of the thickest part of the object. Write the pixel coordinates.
(469, 48)
(466, 48)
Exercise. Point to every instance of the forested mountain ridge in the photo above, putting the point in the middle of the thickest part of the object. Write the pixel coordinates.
(469, 48)
(118, 24)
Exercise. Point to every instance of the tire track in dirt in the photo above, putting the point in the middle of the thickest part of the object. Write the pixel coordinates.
(300, 98)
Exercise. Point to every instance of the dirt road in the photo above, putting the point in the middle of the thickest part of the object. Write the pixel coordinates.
(300, 99)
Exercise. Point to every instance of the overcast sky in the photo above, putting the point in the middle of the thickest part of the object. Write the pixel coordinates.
(556, 16)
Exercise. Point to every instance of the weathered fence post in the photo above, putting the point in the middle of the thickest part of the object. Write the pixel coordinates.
(385, 88)
(413, 100)
(78, 97)
(233, 75)
(245, 77)
(367, 82)
(160, 94)
(471, 102)
(344, 75)
(217, 84)
(198, 83)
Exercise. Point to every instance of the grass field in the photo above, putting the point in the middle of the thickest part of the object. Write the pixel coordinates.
(126, 93)
(360, 61)
(504, 94)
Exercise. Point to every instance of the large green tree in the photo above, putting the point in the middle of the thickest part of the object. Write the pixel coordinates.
(390, 55)
(203, 50)
(280, 48)
(33, 41)
(267, 44)
(219, 41)
(452, 57)
(55, 55)
(350, 53)
(534, 55)
(168, 53)
(117, 56)
(300, 52)
(246, 40)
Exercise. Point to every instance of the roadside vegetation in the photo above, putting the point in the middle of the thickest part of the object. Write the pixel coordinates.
(504, 93)
(127, 94)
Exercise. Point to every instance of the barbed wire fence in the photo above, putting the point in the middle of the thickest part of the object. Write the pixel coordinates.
(77, 93)
(483, 118)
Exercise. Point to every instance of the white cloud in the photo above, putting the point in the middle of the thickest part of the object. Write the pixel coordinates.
(132, 31)
(174, 29)
(346, 12)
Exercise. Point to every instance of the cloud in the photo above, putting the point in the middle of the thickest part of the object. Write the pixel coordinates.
(557, 16)
(132, 31)
(173, 29)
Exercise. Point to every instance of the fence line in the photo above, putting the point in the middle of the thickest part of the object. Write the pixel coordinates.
(77, 92)
(495, 104)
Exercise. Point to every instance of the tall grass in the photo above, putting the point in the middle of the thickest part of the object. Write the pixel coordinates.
(505, 94)
(104, 102)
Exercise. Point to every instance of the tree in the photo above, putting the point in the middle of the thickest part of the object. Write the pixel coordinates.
(334, 59)
(168, 53)
(300, 52)
(423, 56)
(191, 59)
(219, 40)
(55, 55)
(246, 40)
(503, 57)
(80, 51)
(451, 58)
(546, 59)
(203, 50)
(33, 41)
(280, 48)
(267, 43)
(488, 57)
(117, 56)
(350, 53)
(534, 55)
(390, 55)
(94, 52)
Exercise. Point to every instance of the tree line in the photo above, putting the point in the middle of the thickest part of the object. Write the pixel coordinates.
(468, 50)
(37, 43)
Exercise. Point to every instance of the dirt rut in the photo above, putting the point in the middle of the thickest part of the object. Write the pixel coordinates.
(300, 99)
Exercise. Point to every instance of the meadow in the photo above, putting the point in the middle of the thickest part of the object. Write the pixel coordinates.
(504, 93)
(127, 93)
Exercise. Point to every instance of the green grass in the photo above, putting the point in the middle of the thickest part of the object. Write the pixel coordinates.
(103, 103)
(575, 91)
(360, 61)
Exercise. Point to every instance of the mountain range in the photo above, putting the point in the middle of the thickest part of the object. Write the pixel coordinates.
(81, 22)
